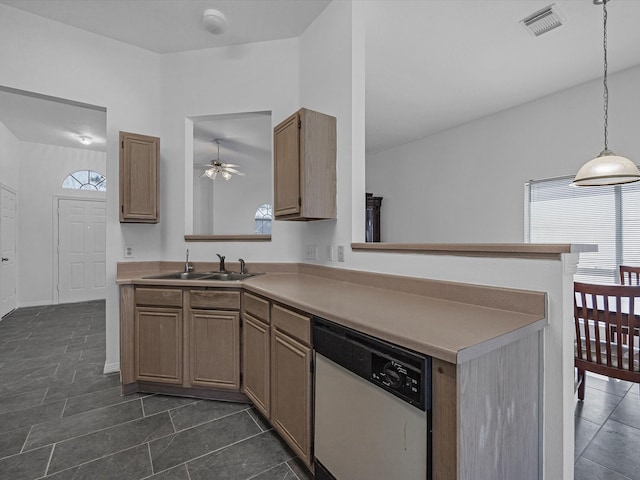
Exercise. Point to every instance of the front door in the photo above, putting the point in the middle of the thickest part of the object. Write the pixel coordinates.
(8, 274)
(81, 250)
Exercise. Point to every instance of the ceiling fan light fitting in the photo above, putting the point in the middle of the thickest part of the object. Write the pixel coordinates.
(214, 21)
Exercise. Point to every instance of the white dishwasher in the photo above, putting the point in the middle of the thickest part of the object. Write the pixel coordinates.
(372, 407)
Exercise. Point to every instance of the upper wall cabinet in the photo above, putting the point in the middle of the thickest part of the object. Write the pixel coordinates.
(139, 178)
(305, 167)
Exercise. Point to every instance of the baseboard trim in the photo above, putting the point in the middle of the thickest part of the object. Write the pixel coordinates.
(111, 368)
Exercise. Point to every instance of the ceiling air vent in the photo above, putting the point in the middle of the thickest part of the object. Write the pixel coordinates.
(543, 20)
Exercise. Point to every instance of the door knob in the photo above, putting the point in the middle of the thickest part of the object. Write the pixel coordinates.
(5, 259)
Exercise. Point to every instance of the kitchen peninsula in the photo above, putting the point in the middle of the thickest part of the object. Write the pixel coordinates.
(484, 341)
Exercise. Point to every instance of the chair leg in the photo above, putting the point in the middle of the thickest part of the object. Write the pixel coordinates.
(582, 378)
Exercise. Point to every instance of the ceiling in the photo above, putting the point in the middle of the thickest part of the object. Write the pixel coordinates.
(430, 64)
(168, 26)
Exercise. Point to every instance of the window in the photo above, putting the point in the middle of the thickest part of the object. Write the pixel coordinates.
(264, 215)
(608, 216)
(85, 180)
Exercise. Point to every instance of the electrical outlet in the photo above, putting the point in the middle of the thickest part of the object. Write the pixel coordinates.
(330, 255)
(341, 253)
(312, 252)
(128, 251)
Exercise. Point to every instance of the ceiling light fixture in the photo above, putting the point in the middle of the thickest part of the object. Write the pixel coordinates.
(607, 168)
(214, 21)
(85, 140)
(217, 167)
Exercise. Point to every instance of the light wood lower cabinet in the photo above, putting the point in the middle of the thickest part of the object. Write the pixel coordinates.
(183, 341)
(291, 380)
(256, 349)
(158, 344)
(214, 348)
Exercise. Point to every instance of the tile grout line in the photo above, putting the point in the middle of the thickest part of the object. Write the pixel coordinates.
(44, 396)
(595, 435)
(271, 468)
(64, 407)
(46, 470)
(255, 421)
(144, 415)
(213, 451)
(150, 459)
(26, 438)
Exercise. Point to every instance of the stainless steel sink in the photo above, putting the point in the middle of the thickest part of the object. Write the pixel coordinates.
(220, 276)
(230, 276)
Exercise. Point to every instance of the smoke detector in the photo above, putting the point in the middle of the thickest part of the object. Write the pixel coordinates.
(214, 21)
(543, 21)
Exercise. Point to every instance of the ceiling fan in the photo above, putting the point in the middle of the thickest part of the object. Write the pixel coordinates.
(217, 167)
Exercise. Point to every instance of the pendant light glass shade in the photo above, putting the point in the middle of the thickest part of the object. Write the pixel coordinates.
(607, 169)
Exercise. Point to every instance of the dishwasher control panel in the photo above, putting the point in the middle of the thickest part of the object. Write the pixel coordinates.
(395, 375)
(399, 371)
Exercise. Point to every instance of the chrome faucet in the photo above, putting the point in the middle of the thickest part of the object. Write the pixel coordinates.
(242, 266)
(221, 268)
(187, 266)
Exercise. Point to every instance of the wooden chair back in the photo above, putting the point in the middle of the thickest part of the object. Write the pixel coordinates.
(629, 275)
(607, 331)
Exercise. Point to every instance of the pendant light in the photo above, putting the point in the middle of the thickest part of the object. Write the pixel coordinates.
(607, 168)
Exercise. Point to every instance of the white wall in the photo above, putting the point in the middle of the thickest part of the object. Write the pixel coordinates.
(53, 59)
(217, 81)
(322, 70)
(326, 86)
(9, 154)
(466, 184)
(42, 170)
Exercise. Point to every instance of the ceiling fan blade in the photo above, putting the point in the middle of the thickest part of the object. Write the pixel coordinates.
(233, 170)
(225, 165)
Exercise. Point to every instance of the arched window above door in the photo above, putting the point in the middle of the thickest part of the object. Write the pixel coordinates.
(85, 180)
(263, 218)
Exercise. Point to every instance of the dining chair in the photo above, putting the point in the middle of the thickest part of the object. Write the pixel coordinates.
(629, 275)
(603, 315)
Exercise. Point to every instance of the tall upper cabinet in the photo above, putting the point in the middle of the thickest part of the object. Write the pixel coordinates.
(139, 178)
(305, 166)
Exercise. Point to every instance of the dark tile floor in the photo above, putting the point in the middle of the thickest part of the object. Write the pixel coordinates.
(62, 418)
(608, 430)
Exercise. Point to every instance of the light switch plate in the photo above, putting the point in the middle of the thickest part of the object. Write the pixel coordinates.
(341, 253)
(312, 252)
(330, 254)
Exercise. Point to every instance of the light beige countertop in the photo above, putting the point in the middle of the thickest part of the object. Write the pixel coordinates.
(451, 321)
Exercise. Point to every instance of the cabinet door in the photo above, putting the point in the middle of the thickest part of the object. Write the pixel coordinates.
(214, 349)
(291, 392)
(139, 178)
(286, 165)
(255, 361)
(158, 344)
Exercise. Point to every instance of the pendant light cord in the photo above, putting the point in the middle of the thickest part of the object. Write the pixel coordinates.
(604, 81)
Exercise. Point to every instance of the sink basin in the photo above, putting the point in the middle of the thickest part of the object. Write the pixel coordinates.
(230, 276)
(181, 275)
(220, 276)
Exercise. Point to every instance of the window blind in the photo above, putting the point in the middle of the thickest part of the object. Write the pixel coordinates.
(607, 216)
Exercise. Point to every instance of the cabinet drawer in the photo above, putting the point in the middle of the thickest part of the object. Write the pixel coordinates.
(215, 299)
(162, 297)
(256, 306)
(295, 324)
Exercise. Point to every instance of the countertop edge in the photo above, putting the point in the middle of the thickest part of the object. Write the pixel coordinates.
(281, 292)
